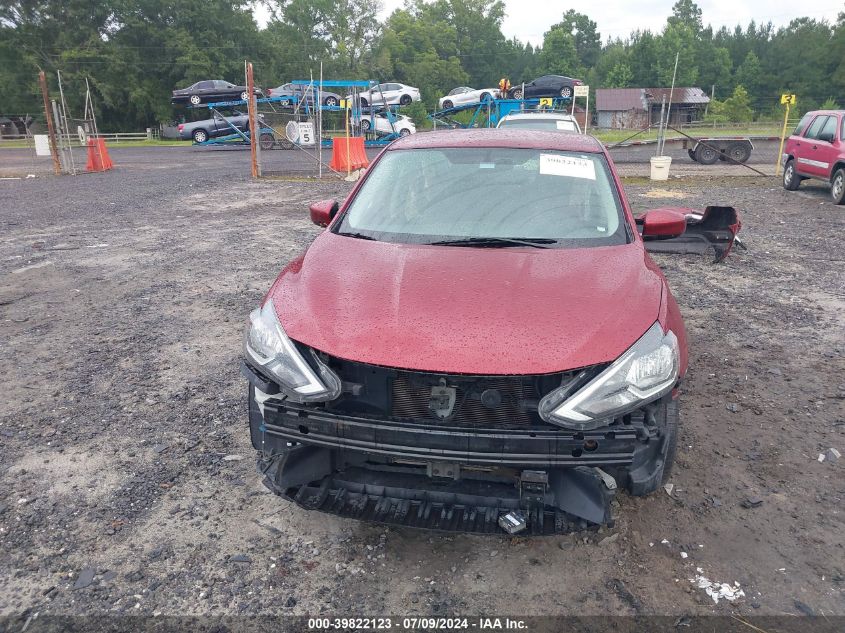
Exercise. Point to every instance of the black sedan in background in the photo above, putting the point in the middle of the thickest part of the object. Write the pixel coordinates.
(546, 86)
(209, 91)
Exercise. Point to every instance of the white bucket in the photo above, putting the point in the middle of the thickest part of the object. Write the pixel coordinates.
(660, 167)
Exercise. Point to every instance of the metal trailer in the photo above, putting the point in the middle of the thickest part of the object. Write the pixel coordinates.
(734, 149)
(357, 112)
(495, 110)
(267, 138)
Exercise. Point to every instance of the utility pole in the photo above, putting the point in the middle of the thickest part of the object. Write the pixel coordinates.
(51, 131)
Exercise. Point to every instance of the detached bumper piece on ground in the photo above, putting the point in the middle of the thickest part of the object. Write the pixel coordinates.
(716, 229)
(406, 467)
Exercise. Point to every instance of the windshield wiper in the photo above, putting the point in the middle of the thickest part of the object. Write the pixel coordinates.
(360, 236)
(497, 242)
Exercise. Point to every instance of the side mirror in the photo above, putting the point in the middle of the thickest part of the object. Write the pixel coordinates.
(664, 223)
(323, 212)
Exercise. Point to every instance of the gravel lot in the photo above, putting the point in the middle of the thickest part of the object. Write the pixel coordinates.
(127, 481)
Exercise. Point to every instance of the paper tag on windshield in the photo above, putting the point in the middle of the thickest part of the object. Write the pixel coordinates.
(564, 125)
(570, 166)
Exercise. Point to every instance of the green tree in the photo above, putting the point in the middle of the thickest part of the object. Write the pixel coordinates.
(620, 76)
(686, 13)
(734, 109)
(677, 39)
(750, 75)
(586, 36)
(559, 55)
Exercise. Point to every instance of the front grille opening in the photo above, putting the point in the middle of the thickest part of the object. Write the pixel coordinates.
(444, 400)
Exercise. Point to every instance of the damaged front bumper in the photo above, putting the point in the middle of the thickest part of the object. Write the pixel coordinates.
(457, 479)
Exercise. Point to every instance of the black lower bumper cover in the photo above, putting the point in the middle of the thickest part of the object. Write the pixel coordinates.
(413, 500)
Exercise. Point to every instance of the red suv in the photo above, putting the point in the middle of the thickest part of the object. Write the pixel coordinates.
(816, 149)
(477, 339)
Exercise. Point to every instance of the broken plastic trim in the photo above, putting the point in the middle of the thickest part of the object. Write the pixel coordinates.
(714, 229)
(575, 499)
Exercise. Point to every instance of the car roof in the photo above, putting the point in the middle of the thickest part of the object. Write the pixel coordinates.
(560, 116)
(502, 137)
(826, 112)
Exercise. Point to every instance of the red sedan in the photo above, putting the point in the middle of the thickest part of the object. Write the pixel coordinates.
(477, 339)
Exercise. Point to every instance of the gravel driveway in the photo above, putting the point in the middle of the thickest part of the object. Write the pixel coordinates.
(127, 480)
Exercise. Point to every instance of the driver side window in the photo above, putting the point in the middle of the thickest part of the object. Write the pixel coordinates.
(815, 127)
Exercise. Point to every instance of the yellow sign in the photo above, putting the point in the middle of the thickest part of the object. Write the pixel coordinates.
(546, 102)
(787, 99)
(345, 103)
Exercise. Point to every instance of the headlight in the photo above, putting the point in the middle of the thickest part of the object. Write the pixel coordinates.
(646, 372)
(268, 347)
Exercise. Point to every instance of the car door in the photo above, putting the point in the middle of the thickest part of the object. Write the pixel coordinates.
(462, 95)
(538, 88)
(204, 89)
(826, 147)
(806, 156)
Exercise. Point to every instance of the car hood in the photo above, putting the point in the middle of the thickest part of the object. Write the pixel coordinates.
(468, 310)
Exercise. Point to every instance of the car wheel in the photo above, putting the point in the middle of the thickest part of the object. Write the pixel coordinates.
(200, 136)
(405, 100)
(691, 154)
(330, 101)
(517, 94)
(485, 97)
(791, 180)
(244, 96)
(266, 141)
(566, 92)
(706, 155)
(837, 186)
(448, 104)
(739, 152)
(656, 471)
(195, 99)
(404, 132)
(365, 125)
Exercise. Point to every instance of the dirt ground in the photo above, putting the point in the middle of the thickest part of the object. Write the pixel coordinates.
(127, 480)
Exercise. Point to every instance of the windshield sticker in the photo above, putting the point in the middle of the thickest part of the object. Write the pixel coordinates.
(487, 166)
(570, 166)
(564, 125)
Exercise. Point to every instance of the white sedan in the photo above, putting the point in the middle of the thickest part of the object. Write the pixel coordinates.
(388, 123)
(465, 94)
(390, 93)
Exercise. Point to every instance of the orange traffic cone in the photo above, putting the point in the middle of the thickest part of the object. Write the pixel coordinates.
(98, 155)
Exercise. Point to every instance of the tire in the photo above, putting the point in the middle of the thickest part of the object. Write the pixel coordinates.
(706, 155)
(448, 104)
(266, 141)
(404, 132)
(195, 99)
(566, 92)
(199, 136)
(791, 180)
(657, 470)
(485, 97)
(244, 96)
(330, 101)
(739, 152)
(405, 100)
(837, 186)
(691, 154)
(365, 125)
(517, 93)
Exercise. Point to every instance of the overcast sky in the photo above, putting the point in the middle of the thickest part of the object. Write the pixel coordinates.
(529, 19)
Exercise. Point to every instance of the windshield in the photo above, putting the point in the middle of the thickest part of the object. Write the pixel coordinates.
(423, 196)
(539, 124)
